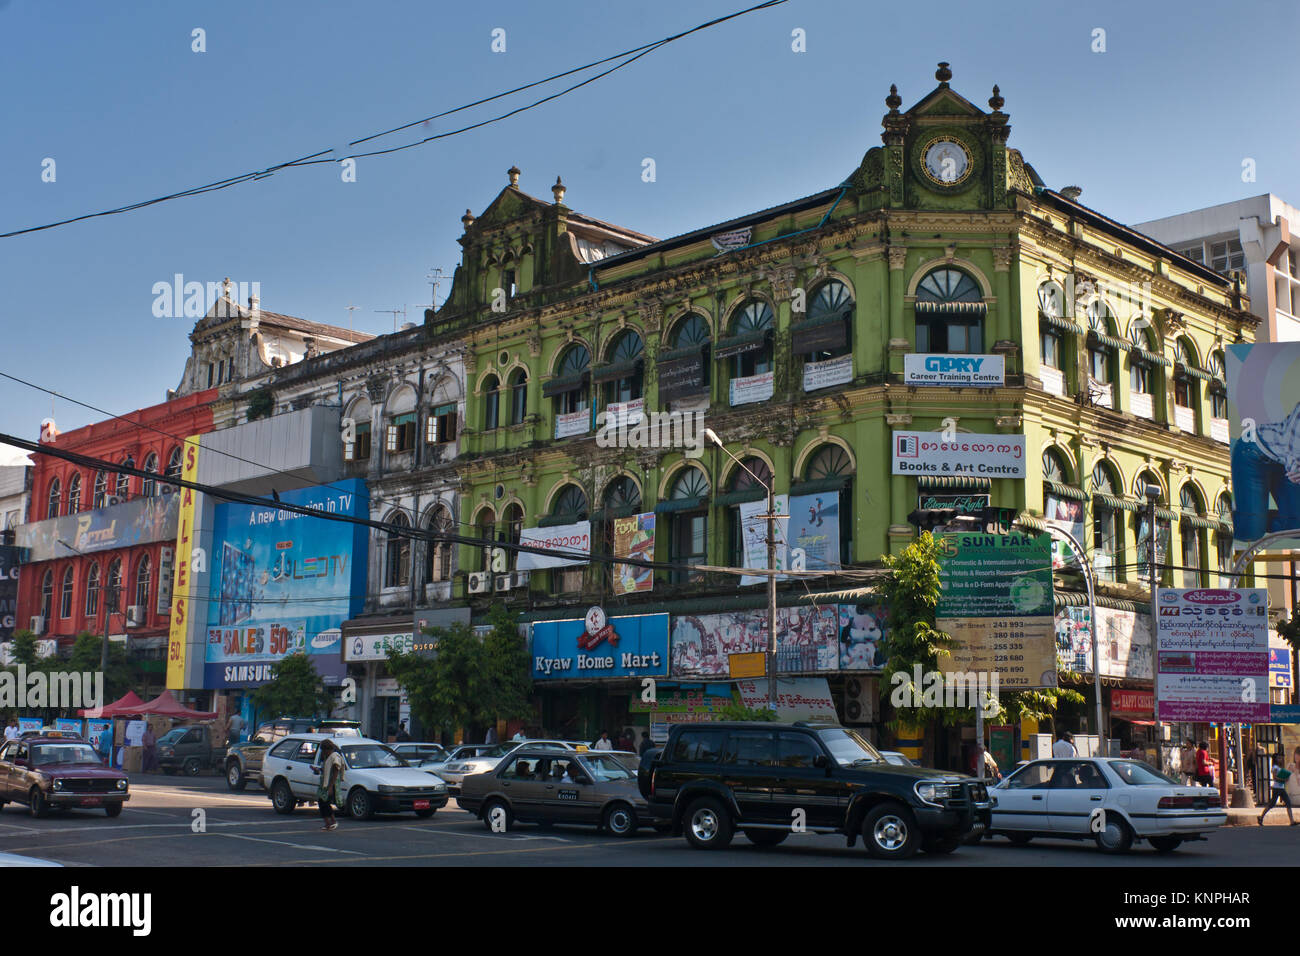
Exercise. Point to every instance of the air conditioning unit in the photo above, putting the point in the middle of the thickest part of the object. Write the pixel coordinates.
(165, 489)
(508, 582)
(860, 703)
(38, 625)
(480, 582)
(135, 615)
(113, 500)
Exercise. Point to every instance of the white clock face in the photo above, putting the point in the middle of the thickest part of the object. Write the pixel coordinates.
(947, 162)
(595, 620)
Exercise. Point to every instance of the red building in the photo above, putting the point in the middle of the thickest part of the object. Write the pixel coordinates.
(94, 532)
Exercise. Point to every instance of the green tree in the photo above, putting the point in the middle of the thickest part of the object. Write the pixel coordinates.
(87, 655)
(23, 647)
(736, 710)
(508, 675)
(294, 690)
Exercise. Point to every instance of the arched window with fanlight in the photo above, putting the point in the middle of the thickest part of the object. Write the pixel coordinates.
(397, 552)
(173, 465)
(748, 349)
(491, 403)
(1144, 364)
(622, 377)
(1223, 539)
(149, 486)
(683, 368)
(620, 500)
(47, 593)
(518, 396)
(101, 489)
(1193, 524)
(687, 508)
(438, 566)
(1104, 349)
(113, 597)
(950, 312)
(52, 500)
(821, 509)
(143, 579)
(826, 332)
(570, 506)
(1218, 389)
(748, 481)
(65, 597)
(1107, 503)
(1063, 503)
(122, 486)
(485, 526)
(510, 531)
(74, 493)
(570, 391)
(92, 590)
(1055, 337)
(1186, 388)
(1142, 529)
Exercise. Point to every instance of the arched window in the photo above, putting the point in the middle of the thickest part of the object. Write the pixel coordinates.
(510, 531)
(689, 532)
(149, 486)
(491, 403)
(113, 599)
(74, 493)
(143, 574)
(570, 506)
(486, 525)
(691, 331)
(1223, 539)
(748, 481)
(1186, 392)
(101, 489)
(622, 376)
(47, 593)
(1053, 326)
(1142, 526)
(622, 497)
(401, 415)
(359, 448)
(173, 465)
(824, 499)
(684, 369)
(1218, 387)
(65, 599)
(1055, 468)
(52, 501)
(1193, 522)
(122, 487)
(440, 552)
(749, 346)
(571, 387)
(1106, 527)
(1142, 373)
(397, 552)
(92, 591)
(518, 396)
(1103, 349)
(827, 331)
(950, 313)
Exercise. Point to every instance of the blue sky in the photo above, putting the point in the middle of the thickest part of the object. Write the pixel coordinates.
(735, 121)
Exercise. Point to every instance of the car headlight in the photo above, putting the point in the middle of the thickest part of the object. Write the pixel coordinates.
(58, 784)
(935, 792)
(384, 788)
(121, 785)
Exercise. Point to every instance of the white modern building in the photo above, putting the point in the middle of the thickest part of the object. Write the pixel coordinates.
(15, 483)
(1252, 236)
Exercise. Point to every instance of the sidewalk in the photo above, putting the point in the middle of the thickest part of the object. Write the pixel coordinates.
(1240, 817)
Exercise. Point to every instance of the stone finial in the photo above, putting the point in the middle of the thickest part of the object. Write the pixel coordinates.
(558, 191)
(467, 220)
(225, 287)
(893, 100)
(513, 173)
(943, 74)
(996, 101)
(1072, 193)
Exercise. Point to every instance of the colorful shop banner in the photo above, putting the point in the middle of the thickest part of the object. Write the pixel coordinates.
(996, 602)
(377, 647)
(753, 537)
(954, 371)
(1279, 667)
(69, 725)
(573, 539)
(752, 388)
(836, 371)
(183, 609)
(814, 526)
(1066, 514)
(10, 557)
(809, 639)
(961, 504)
(797, 698)
(138, 521)
(632, 646)
(284, 582)
(987, 456)
(100, 734)
(1125, 649)
(686, 704)
(1264, 425)
(634, 537)
(1138, 704)
(1212, 654)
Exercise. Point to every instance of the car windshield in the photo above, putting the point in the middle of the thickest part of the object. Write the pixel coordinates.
(45, 754)
(847, 747)
(339, 730)
(604, 767)
(496, 750)
(173, 735)
(365, 756)
(1137, 773)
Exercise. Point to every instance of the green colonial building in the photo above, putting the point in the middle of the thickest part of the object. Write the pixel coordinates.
(830, 342)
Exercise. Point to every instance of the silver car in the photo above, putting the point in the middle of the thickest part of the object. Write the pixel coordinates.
(480, 758)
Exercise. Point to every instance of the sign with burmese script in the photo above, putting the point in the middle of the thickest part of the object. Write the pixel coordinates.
(954, 371)
(982, 456)
(574, 540)
(1212, 655)
(681, 377)
(632, 646)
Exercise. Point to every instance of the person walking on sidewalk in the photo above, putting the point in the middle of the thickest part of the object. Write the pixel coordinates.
(1204, 765)
(1277, 790)
(331, 775)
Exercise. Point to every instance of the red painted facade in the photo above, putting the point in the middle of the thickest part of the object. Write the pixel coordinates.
(150, 439)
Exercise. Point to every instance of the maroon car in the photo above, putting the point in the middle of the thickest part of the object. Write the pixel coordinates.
(52, 771)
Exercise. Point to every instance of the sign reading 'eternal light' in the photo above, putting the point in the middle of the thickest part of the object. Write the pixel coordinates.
(954, 371)
(991, 456)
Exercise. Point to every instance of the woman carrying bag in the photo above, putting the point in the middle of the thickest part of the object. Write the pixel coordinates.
(331, 779)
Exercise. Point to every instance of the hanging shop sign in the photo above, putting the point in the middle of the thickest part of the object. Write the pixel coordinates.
(954, 371)
(990, 456)
(1212, 654)
(634, 537)
(752, 388)
(573, 539)
(597, 647)
(836, 371)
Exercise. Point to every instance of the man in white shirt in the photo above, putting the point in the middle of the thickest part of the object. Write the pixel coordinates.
(604, 743)
(12, 732)
(1064, 746)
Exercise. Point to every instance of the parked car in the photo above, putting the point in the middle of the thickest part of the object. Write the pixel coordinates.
(244, 759)
(376, 779)
(480, 758)
(540, 785)
(898, 759)
(419, 754)
(46, 772)
(188, 749)
(711, 780)
(628, 758)
(1111, 800)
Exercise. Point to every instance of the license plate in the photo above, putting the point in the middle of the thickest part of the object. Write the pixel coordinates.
(567, 795)
(422, 804)
(91, 801)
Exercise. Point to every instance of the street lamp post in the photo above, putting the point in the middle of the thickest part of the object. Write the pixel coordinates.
(770, 485)
(1090, 582)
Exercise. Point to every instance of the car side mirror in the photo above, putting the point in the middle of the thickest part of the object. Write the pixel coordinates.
(258, 739)
(820, 761)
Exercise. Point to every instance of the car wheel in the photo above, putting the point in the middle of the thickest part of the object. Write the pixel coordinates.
(37, 805)
(497, 816)
(620, 820)
(113, 809)
(1165, 844)
(890, 832)
(192, 767)
(766, 837)
(1019, 839)
(425, 813)
(708, 825)
(282, 797)
(1114, 835)
(360, 806)
(235, 776)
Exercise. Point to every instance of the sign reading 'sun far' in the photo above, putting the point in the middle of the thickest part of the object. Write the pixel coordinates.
(954, 371)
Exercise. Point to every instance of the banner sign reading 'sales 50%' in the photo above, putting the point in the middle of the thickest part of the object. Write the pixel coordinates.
(1212, 654)
(989, 456)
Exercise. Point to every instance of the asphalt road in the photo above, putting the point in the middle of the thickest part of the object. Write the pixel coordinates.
(160, 827)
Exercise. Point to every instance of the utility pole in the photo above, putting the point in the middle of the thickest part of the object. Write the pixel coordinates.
(351, 309)
(1152, 493)
(395, 314)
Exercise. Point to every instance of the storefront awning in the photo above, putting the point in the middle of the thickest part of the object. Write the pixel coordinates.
(1060, 323)
(565, 384)
(752, 493)
(1151, 357)
(673, 505)
(957, 483)
(821, 484)
(1096, 339)
(612, 373)
(1196, 521)
(1064, 491)
(1119, 504)
(739, 344)
(1188, 371)
(555, 521)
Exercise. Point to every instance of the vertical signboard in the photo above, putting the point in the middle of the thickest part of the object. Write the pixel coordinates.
(1212, 655)
(8, 590)
(182, 606)
(634, 537)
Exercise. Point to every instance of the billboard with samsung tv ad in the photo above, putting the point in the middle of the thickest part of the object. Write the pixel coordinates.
(284, 582)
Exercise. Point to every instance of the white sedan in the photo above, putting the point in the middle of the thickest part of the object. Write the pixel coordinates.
(1111, 800)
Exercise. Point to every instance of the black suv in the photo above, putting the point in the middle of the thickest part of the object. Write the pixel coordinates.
(712, 779)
